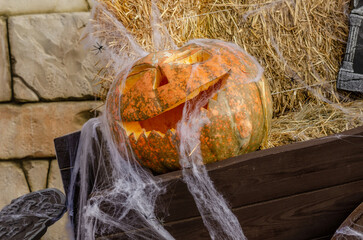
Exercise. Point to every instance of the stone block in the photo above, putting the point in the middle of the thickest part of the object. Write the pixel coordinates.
(49, 58)
(28, 130)
(23, 93)
(36, 171)
(59, 231)
(15, 7)
(13, 183)
(55, 178)
(91, 3)
(5, 82)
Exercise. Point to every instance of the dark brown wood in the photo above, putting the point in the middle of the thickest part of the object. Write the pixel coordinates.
(311, 215)
(274, 173)
(328, 237)
(66, 151)
(355, 222)
(298, 191)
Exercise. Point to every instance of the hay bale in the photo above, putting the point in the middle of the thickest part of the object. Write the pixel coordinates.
(300, 43)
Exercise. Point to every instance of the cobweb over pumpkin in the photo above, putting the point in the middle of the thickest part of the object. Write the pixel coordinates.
(116, 193)
(293, 79)
(300, 44)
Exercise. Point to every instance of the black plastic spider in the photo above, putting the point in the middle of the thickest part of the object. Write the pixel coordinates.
(98, 47)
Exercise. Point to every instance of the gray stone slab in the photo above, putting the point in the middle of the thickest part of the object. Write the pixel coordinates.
(13, 183)
(5, 79)
(350, 75)
(49, 58)
(28, 130)
(36, 171)
(357, 3)
(15, 7)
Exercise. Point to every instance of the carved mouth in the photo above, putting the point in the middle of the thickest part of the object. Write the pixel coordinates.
(167, 121)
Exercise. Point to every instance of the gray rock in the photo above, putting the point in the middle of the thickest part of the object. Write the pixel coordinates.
(13, 183)
(350, 75)
(15, 7)
(29, 129)
(49, 57)
(36, 172)
(5, 82)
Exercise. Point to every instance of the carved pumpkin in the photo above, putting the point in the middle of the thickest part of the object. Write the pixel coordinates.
(158, 85)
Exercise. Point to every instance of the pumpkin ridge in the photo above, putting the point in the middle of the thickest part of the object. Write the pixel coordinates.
(231, 114)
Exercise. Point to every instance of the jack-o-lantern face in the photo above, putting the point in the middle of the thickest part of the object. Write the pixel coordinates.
(158, 86)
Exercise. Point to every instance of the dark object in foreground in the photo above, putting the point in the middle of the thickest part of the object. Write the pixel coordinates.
(352, 225)
(29, 216)
(303, 190)
(351, 73)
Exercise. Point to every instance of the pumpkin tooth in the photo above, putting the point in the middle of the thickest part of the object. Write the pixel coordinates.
(147, 134)
(132, 127)
(132, 137)
(172, 138)
(149, 156)
(156, 134)
(142, 137)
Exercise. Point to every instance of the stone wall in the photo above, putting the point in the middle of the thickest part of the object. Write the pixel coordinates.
(46, 92)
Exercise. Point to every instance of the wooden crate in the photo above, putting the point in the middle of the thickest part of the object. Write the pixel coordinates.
(299, 191)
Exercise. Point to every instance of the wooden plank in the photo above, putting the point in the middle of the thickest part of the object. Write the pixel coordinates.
(274, 173)
(311, 215)
(328, 237)
(66, 152)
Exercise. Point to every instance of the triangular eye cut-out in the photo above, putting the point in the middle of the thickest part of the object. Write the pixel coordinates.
(160, 79)
(163, 81)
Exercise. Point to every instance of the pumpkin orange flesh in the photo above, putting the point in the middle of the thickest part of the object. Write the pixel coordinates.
(169, 119)
(145, 97)
(240, 114)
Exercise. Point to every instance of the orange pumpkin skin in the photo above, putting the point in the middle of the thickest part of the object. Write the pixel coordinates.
(157, 87)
